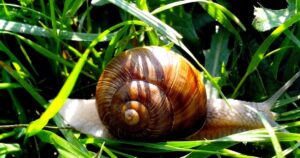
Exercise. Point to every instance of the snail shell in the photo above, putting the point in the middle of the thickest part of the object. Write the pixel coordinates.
(151, 93)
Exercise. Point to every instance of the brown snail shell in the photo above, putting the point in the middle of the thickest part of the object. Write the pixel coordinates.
(151, 93)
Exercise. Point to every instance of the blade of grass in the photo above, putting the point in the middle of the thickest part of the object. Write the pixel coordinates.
(15, 6)
(146, 17)
(214, 146)
(43, 8)
(292, 63)
(9, 85)
(108, 152)
(59, 100)
(278, 50)
(39, 31)
(145, 147)
(23, 50)
(9, 148)
(5, 10)
(45, 52)
(30, 89)
(260, 52)
(61, 144)
(278, 58)
(211, 3)
(271, 132)
(71, 7)
(53, 18)
(216, 11)
(7, 134)
(109, 52)
(217, 14)
(14, 58)
(122, 154)
(20, 112)
(160, 147)
(290, 115)
(284, 102)
(153, 38)
(24, 84)
(218, 53)
(291, 149)
(292, 37)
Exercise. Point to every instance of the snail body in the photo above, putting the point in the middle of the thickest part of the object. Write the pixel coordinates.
(151, 93)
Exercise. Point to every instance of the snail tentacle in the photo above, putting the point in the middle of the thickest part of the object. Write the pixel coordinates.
(271, 101)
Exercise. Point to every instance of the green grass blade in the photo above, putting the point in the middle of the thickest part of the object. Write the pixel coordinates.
(20, 112)
(271, 132)
(278, 50)
(278, 58)
(153, 38)
(11, 55)
(15, 6)
(71, 7)
(284, 102)
(179, 146)
(216, 11)
(292, 37)
(148, 18)
(29, 88)
(7, 135)
(290, 115)
(218, 53)
(214, 146)
(122, 154)
(59, 100)
(9, 85)
(5, 10)
(39, 31)
(109, 52)
(61, 144)
(141, 146)
(9, 148)
(215, 5)
(291, 149)
(47, 53)
(53, 18)
(260, 52)
(108, 152)
(43, 51)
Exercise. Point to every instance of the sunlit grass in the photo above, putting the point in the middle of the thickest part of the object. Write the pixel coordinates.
(61, 44)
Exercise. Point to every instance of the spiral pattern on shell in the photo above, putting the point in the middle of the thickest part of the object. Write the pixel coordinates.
(150, 93)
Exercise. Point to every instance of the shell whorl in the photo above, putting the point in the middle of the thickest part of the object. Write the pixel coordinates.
(150, 93)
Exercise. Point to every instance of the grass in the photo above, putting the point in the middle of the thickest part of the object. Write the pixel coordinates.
(58, 49)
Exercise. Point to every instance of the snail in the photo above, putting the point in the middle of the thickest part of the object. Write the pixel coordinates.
(151, 93)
